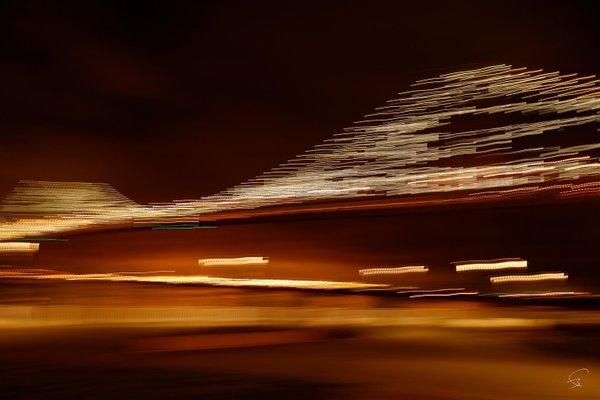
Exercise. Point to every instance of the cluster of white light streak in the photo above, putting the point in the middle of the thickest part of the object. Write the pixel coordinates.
(393, 270)
(407, 146)
(37, 208)
(411, 146)
(490, 265)
(218, 262)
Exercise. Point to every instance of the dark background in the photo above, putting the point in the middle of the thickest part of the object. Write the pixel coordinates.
(171, 100)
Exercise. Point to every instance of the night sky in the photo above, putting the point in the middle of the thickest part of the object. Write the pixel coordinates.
(172, 100)
(175, 100)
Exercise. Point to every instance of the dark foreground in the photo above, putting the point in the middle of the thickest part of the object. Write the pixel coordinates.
(129, 341)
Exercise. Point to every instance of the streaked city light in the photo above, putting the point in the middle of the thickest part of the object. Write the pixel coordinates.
(545, 294)
(557, 276)
(219, 262)
(18, 247)
(453, 294)
(191, 279)
(393, 270)
(403, 151)
(490, 265)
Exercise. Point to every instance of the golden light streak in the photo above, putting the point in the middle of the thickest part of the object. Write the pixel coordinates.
(490, 265)
(19, 247)
(393, 270)
(546, 294)
(555, 276)
(218, 262)
(196, 279)
(496, 323)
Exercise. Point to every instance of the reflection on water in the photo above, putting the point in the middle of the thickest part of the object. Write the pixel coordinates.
(125, 340)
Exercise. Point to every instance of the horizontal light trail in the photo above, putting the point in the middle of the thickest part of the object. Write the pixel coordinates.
(431, 290)
(218, 262)
(490, 265)
(19, 247)
(546, 294)
(415, 296)
(394, 270)
(554, 276)
(196, 279)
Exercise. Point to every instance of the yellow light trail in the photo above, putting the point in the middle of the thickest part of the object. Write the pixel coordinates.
(393, 270)
(490, 265)
(554, 276)
(196, 279)
(19, 247)
(218, 262)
